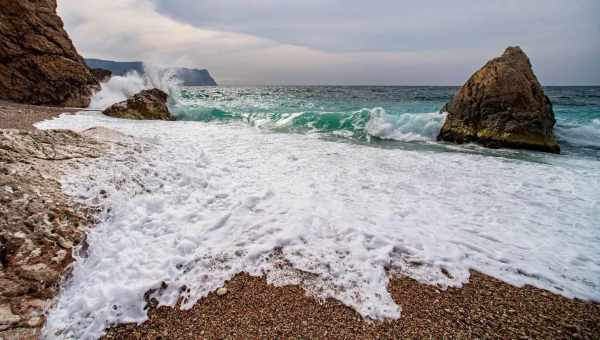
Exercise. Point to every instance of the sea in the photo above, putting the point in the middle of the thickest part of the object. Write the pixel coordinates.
(333, 188)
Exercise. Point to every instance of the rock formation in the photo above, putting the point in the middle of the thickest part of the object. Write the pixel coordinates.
(38, 62)
(148, 104)
(101, 74)
(39, 225)
(502, 105)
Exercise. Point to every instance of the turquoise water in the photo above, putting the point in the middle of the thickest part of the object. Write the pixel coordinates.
(395, 115)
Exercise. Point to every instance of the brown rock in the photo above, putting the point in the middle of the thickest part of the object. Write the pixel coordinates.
(39, 225)
(101, 74)
(38, 62)
(502, 105)
(148, 104)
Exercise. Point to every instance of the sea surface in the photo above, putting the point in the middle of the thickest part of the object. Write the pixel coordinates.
(330, 187)
(372, 114)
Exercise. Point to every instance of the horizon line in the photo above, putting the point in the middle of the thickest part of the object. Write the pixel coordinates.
(375, 85)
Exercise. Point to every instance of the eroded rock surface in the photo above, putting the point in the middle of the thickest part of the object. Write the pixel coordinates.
(39, 225)
(148, 104)
(502, 105)
(101, 74)
(38, 62)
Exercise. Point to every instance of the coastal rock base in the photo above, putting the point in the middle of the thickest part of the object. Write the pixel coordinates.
(39, 64)
(101, 74)
(148, 104)
(502, 105)
(39, 225)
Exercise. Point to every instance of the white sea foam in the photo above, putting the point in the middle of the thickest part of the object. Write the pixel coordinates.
(581, 135)
(119, 88)
(205, 201)
(408, 127)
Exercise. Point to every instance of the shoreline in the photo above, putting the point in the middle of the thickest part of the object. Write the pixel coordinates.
(484, 307)
(23, 116)
(40, 225)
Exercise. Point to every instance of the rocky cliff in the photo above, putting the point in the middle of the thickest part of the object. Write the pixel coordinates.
(502, 105)
(38, 62)
(101, 74)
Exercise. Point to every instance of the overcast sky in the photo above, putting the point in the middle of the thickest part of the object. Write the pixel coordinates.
(387, 42)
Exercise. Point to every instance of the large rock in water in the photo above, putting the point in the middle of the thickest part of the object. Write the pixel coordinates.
(148, 104)
(502, 105)
(38, 62)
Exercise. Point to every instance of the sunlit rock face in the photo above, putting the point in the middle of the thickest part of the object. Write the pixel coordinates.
(38, 62)
(502, 105)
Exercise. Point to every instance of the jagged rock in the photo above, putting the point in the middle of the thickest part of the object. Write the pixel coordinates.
(148, 104)
(39, 225)
(102, 75)
(502, 105)
(38, 62)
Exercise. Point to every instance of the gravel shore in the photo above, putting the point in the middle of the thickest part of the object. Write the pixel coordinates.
(22, 116)
(483, 308)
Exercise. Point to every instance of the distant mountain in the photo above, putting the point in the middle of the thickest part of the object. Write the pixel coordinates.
(189, 77)
(195, 77)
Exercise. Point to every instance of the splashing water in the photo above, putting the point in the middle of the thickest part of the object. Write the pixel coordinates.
(119, 88)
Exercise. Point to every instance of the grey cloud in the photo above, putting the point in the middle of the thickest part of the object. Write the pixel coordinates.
(391, 25)
(430, 42)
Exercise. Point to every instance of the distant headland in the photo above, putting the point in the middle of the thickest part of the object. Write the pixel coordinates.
(189, 77)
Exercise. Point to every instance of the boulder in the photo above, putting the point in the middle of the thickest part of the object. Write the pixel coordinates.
(38, 62)
(148, 104)
(502, 105)
(102, 75)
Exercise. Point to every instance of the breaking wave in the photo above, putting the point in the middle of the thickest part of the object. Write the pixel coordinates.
(119, 88)
(587, 135)
(362, 124)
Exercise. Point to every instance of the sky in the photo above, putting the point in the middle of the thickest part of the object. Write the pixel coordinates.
(342, 42)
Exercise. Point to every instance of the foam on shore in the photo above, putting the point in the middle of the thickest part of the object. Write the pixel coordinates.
(193, 203)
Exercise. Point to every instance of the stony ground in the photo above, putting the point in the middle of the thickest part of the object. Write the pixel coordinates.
(22, 116)
(484, 308)
(39, 225)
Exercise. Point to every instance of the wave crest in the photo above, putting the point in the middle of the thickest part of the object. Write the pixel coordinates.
(408, 127)
(362, 124)
(119, 88)
(581, 135)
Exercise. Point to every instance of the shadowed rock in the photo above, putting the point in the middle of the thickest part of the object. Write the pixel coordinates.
(502, 105)
(148, 104)
(38, 62)
(101, 74)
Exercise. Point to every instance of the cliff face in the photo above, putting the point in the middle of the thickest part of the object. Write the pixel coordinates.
(502, 105)
(101, 74)
(38, 62)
